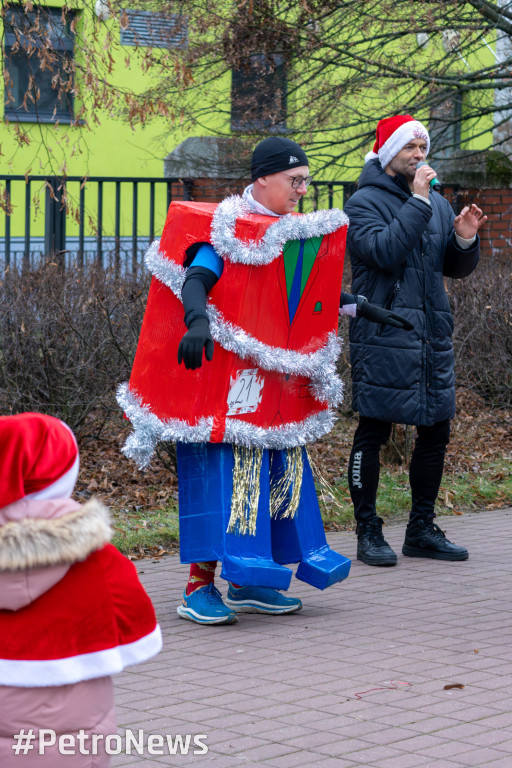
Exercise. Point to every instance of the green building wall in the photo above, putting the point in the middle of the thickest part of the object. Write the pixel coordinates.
(108, 146)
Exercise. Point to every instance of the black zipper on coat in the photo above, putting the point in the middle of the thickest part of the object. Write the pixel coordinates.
(393, 295)
(390, 300)
(427, 345)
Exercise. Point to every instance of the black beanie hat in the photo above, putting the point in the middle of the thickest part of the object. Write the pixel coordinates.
(276, 154)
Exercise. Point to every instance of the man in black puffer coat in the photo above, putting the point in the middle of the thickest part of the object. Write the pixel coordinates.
(403, 239)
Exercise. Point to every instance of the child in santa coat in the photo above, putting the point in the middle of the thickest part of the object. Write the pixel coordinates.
(72, 610)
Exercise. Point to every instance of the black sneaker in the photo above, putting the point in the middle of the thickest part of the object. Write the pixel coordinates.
(425, 539)
(372, 547)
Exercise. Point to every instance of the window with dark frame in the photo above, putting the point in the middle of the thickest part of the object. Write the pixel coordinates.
(38, 59)
(146, 28)
(258, 93)
(445, 125)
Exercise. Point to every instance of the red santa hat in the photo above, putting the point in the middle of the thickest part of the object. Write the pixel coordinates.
(38, 458)
(393, 133)
(71, 606)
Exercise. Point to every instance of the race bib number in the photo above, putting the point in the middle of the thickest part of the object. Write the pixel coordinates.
(245, 392)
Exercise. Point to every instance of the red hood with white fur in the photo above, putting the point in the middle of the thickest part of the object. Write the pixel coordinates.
(41, 539)
(71, 606)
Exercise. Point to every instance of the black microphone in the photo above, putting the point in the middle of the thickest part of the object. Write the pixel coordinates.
(434, 183)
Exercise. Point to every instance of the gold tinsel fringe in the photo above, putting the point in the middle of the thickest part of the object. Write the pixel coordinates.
(285, 491)
(246, 490)
(327, 492)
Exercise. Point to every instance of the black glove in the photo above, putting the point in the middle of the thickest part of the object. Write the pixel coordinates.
(380, 315)
(196, 339)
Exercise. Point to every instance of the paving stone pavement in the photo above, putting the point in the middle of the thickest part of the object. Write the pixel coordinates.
(358, 678)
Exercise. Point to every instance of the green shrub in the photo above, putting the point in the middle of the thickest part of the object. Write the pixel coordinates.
(66, 339)
(482, 309)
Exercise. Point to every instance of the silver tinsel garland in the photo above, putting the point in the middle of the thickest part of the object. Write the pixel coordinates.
(277, 438)
(319, 366)
(149, 430)
(289, 227)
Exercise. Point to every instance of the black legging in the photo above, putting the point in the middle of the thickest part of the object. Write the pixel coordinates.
(425, 471)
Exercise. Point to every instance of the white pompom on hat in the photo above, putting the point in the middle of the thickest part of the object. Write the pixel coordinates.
(393, 133)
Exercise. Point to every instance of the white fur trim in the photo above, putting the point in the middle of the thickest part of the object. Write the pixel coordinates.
(35, 542)
(85, 666)
(370, 156)
(408, 131)
(61, 488)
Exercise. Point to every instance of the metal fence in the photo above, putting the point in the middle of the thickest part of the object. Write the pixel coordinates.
(105, 220)
(327, 194)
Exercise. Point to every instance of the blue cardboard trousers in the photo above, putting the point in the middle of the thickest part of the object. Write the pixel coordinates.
(205, 477)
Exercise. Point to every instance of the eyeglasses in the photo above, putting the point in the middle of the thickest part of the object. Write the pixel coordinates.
(297, 181)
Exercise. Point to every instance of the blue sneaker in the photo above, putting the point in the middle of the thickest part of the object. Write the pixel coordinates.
(205, 606)
(261, 600)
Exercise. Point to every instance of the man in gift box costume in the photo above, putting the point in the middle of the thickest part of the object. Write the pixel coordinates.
(263, 286)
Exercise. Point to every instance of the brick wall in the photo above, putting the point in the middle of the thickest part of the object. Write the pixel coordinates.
(496, 235)
(215, 190)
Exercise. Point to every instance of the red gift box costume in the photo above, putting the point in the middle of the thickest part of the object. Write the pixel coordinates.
(72, 610)
(292, 364)
(272, 385)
